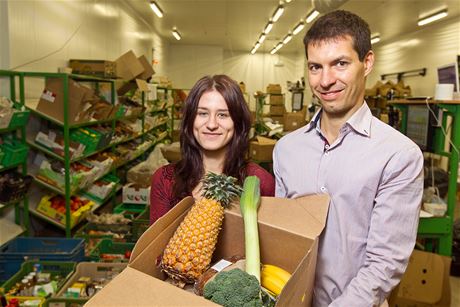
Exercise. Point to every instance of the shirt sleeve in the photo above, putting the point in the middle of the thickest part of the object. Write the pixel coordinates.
(280, 189)
(392, 233)
(160, 193)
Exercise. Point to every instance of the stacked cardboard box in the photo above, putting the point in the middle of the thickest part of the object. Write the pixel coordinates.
(277, 108)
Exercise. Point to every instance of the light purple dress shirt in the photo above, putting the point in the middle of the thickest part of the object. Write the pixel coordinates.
(374, 175)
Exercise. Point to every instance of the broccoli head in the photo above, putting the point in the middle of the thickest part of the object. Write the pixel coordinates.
(234, 288)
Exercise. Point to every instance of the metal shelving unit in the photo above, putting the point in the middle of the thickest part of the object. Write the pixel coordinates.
(440, 228)
(21, 217)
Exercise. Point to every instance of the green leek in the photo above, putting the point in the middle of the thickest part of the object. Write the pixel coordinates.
(249, 203)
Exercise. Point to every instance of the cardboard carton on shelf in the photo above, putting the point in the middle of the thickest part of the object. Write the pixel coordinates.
(273, 89)
(98, 68)
(261, 149)
(277, 119)
(425, 282)
(276, 99)
(294, 120)
(277, 110)
(51, 101)
(128, 66)
(284, 225)
(148, 69)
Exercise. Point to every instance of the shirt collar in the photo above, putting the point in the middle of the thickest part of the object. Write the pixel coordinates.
(360, 121)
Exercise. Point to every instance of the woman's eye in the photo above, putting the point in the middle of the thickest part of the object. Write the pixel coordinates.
(222, 115)
(202, 114)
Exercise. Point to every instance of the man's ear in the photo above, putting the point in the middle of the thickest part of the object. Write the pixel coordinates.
(368, 62)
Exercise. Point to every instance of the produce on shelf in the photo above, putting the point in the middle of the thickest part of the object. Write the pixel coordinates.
(189, 252)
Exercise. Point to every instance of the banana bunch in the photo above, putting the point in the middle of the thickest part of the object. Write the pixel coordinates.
(274, 278)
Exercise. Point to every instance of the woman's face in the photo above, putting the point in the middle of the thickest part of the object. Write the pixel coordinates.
(213, 127)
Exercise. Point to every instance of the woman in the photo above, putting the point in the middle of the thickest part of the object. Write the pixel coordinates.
(214, 138)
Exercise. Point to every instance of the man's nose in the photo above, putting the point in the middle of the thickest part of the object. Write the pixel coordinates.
(327, 78)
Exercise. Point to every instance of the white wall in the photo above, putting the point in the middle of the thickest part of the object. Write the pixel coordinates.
(44, 35)
(190, 63)
(430, 47)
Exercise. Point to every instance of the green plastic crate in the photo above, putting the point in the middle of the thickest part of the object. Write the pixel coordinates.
(19, 119)
(64, 269)
(130, 208)
(14, 153)
(107, 247)
(90, 143)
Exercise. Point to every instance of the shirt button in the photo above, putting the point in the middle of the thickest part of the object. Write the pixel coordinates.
(323, 189)
(326, 146)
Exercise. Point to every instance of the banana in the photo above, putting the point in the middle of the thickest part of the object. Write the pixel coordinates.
(277, 271)
(271, 282)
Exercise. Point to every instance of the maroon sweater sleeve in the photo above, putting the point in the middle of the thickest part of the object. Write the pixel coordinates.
(161, 198)
(267, 182)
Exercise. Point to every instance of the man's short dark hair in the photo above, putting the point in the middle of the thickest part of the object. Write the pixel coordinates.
(339, 24)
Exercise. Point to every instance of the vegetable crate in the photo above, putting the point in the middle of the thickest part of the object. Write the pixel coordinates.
(12, 254)
(59, 271)
(14, 153)
(108, 251)
(90, 271)
(19, 119)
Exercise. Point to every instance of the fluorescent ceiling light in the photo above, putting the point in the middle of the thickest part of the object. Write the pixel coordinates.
(287, 1)
(279, 11)
(433, 17)
(298, 28)
(156, 9)
(287, 38)
(257, 45)
(268, 27)
(278, 47)
(176, 34)
(312, 15)
(261, 38)
(255, 48)
(375, 39)
(274, 50)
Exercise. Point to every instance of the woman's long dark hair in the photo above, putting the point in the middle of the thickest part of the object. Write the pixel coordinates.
(189, 170)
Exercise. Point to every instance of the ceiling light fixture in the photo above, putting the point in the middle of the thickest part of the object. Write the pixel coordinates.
(176, 34)
(432, 17)
(375, 39)
(287, 38)
(279, 11)
(278, 47)
(298, 28)
(287, 1)
(268, 27)
(255, 48)
(312, 15)
(156, 8)
(261, 38)
(274, 50)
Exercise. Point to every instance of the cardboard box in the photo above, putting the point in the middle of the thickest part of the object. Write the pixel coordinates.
(171, 153)
(273, 89)
(148, 69)
(425, 282)
(277, 110)
(276, 99)
(262, 149)
(277, 119)
(284, 225)
(128, 66)
(99, 68)
(294, 120)
(51, 101)
(133, 194)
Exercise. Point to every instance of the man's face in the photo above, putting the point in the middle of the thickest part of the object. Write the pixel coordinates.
(336, 75)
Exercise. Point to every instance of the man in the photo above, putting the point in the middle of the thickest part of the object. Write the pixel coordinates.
(372, 172)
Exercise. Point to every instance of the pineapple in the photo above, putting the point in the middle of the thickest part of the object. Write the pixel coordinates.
(189, 251)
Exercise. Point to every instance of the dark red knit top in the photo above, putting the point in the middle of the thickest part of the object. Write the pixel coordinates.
(162, 198)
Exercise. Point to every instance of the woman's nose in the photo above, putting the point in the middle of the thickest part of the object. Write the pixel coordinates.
(212, 123)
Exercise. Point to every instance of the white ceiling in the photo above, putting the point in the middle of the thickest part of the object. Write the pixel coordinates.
(236, 24)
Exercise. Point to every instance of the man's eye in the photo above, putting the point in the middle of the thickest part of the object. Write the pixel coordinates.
(341, 63)
(313, 68)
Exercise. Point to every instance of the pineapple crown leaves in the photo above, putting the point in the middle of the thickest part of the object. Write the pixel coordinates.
(221, 188)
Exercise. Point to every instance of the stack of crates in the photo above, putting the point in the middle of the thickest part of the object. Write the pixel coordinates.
(13, 253)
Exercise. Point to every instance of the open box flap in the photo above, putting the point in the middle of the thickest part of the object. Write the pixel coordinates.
(290, 214)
